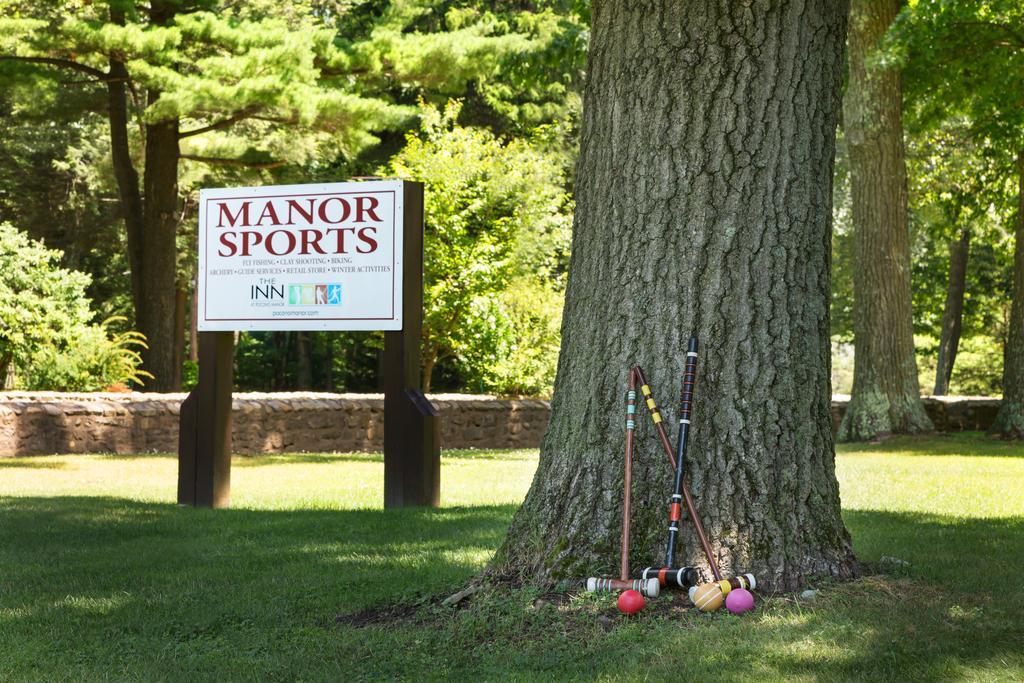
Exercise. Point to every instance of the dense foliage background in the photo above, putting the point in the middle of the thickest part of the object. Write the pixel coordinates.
(480, 101)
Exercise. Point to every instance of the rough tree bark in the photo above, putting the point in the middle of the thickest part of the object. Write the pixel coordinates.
(704, 206)
(886, 393)
(149, 216)
(1009, 422)
(159, 255)
(952, 312)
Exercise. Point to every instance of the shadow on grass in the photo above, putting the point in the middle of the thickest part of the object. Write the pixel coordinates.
(31, 464)
(111, 544)
(474, 454)
(953, 614)
(94, 585)
(264, 459)
(955, 607)
(964, 553)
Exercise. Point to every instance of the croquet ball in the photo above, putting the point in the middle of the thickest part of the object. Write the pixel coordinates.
(739, 601)
(708, 597)
(630, 602)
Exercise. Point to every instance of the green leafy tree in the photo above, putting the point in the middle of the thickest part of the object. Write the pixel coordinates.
(956, 193)
(45, 328)
(527, 361)
(969, 56)
(248, 87)
(40, 303)
(495, 211)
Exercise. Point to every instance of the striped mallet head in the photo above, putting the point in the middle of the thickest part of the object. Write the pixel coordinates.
(649, 588)
(672, 577)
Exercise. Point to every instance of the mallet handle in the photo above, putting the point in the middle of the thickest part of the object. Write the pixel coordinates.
(666, 445)
(676, 502)
(628, 475)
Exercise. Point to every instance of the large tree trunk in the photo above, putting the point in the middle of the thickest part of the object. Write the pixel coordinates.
(953, 312)
(124, 169)
(886, 393)
(149, 217)
(155, 317)
(1009, 422)
(704, 206)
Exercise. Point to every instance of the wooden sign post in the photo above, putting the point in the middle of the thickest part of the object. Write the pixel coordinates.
(412, 433)
(340, 256)
(204, 432)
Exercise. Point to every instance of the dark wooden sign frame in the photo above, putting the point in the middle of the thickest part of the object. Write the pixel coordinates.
(412, 435)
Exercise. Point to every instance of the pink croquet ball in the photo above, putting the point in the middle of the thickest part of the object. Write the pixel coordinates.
(739, 601)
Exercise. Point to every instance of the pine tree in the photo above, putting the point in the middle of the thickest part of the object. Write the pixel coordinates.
(239, 85)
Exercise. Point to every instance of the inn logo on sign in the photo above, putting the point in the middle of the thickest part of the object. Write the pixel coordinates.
(314, 295)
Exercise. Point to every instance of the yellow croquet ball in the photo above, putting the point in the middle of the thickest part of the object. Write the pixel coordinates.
(707, 597)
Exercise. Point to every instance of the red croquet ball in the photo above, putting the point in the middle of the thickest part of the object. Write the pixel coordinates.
(631, 602)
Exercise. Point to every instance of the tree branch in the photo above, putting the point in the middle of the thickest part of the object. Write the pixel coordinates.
(249, 113)
(221, 161)
(217, 125)
(63, 63)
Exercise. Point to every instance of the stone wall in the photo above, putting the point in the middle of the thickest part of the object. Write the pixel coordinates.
(949, 413)
(35, 423)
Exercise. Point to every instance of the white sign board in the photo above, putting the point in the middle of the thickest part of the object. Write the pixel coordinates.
(301, 257)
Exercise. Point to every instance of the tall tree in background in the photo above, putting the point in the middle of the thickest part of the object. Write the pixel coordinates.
(954, 183)
(886, 394)
(970, 55)
(703, 205)
(953, 310)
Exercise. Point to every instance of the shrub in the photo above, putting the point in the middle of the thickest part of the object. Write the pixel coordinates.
(496, 214)
(98, 358)
(529, 357)
(45, 324)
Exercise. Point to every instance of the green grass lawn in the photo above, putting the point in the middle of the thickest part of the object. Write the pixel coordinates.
(103, 577)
